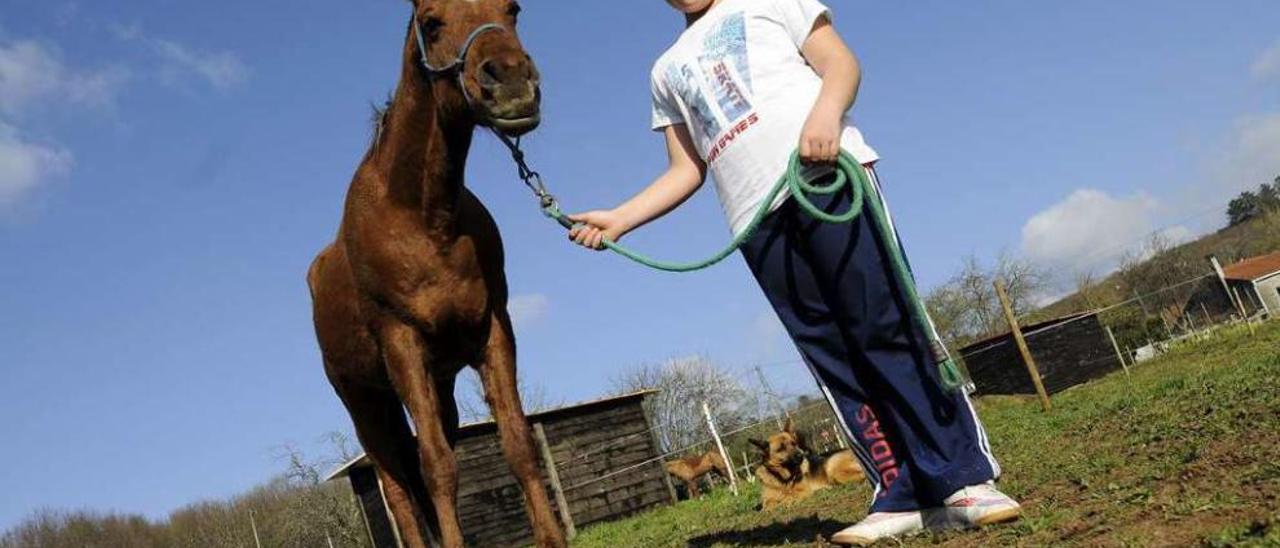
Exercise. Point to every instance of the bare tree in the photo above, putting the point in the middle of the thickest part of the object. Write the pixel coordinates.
(295, 509)
(472, 406)
(966, 308)
(683, 384)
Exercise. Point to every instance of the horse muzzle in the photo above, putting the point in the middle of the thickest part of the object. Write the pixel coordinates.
(510, 93)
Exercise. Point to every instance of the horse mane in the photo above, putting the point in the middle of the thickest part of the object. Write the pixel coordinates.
(378, 119)
(382, 112)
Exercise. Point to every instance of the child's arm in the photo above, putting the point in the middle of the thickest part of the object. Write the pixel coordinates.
(827, 53)
(685, 173)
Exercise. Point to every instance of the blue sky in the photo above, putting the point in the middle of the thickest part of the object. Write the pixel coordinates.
(168, 169)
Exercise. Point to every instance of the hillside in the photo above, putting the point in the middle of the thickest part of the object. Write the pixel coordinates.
(1177, 262)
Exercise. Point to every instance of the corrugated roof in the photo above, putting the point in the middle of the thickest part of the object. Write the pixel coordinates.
(1253, 269)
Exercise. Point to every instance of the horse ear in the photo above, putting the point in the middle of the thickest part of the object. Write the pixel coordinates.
(764, 446)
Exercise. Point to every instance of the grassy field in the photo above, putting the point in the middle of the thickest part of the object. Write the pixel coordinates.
(1184, 452)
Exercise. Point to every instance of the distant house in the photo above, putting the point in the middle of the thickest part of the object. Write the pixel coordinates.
(1257, 282)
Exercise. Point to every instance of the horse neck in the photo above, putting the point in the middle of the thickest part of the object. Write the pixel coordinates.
(424, 144)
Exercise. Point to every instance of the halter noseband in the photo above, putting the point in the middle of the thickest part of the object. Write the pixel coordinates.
(458, 63)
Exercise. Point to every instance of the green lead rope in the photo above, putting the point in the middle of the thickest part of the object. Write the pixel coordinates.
(849, 172)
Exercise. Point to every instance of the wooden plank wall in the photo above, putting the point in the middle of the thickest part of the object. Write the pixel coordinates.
(364, 481)
(586, 446)
(589, 447)
(1068, 354)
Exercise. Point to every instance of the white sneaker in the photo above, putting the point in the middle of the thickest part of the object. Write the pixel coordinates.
(880, 525)
(979, 505)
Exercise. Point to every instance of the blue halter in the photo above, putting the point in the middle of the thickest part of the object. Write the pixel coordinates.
(459, 62)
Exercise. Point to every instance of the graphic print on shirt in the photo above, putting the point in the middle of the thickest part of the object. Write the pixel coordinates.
(685, 84)
(724, 64)
(723, 72)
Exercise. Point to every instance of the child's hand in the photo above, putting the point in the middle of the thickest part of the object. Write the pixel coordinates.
(596, 226)
(820, 138)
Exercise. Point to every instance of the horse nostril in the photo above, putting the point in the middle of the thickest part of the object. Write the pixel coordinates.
(489, 74)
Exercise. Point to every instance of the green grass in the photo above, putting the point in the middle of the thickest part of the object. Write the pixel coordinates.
(1186, 451)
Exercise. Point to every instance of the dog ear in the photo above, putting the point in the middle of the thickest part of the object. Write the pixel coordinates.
(789, 427)
(763, 445)
(803, 441)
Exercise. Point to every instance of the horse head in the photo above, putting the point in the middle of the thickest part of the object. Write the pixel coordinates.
(474, 44)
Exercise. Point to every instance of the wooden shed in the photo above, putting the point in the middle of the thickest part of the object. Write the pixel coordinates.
(1068, 351)
(609, 438)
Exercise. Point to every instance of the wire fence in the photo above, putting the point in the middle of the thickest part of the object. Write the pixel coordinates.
(1185, 308)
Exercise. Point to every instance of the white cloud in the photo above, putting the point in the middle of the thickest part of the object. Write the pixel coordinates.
(221, 69)
(527, 309)
(1267, 65)
(1090, 229)
(1252, 153)
(25, 165)
(31, 73)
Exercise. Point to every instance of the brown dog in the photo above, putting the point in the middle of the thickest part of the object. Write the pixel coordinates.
(690, 469)
(790, 472)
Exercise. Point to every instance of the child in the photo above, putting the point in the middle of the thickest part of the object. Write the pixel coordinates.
(746, 83)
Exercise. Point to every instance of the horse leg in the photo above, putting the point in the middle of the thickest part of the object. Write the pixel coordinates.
(498, 375)
(416, 381)
(692, 486)
(384, 433)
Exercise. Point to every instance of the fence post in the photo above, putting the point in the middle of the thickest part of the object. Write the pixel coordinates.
(711, 423)
(554, 475)
(1112, 336)
(1022, 345)
(1222, 278)
(1243, 316)
(253, 524)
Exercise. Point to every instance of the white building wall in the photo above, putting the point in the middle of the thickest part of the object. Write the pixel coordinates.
(1269, 290)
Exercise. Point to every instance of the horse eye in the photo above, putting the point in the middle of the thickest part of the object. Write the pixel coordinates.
(432, 26)
(513, 9)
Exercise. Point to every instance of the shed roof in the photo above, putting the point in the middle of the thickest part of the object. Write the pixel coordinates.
(363, 459)
(1254, 268)
(1027, 330)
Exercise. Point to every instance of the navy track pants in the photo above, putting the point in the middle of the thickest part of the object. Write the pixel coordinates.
(833, 289)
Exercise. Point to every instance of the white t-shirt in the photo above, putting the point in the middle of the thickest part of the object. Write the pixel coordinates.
(737, 80)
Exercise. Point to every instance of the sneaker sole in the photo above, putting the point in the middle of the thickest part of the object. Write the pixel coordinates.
(851, 540)
(1000, 516)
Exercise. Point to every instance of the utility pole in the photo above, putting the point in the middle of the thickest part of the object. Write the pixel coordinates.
(1141, 303)
(1022, 346)
(768, 390)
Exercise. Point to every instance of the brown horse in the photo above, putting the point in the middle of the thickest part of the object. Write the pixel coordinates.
(690, 469)
(412, 290)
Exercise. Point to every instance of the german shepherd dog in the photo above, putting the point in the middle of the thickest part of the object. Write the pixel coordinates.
(790, 472)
